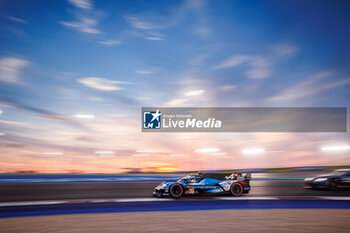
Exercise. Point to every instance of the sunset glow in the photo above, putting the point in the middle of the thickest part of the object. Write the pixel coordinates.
(73, 82)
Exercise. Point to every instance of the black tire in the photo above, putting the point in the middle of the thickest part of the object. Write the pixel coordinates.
(236, 189)
(176, 190)
(333, 184)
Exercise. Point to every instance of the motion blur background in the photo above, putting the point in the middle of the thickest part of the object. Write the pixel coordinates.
(74, 75)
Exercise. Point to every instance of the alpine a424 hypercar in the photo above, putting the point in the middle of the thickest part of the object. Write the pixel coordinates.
(205, 183)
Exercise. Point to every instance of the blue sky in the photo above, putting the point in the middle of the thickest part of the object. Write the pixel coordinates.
(59, 59)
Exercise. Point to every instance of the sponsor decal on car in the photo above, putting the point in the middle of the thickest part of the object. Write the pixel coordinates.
(190, 190)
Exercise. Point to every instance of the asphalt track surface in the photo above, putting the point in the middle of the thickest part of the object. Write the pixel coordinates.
(203, 221)
(65, 191)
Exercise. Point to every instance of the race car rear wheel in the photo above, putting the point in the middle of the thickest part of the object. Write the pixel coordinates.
(236, 189)
(176, 190)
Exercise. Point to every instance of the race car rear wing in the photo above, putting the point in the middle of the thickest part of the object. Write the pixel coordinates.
(227, 176)
(248, 176)
(235, 176)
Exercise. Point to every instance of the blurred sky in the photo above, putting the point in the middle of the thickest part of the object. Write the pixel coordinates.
(107, 59)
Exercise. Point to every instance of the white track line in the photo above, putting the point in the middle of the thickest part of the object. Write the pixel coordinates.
(335, 198)
(142, 199)
(26, 203)
(247, 198)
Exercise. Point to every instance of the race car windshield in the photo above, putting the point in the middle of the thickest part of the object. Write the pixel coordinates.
(337, 173)
(190, 179)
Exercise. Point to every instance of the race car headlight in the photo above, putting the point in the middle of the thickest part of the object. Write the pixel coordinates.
(161, 186)
(320, 180)
(308, 179)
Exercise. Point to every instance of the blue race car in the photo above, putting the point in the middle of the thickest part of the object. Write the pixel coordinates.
(205, 183)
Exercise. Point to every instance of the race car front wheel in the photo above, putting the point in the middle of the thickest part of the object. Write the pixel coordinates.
(236, 189)
(176, 190)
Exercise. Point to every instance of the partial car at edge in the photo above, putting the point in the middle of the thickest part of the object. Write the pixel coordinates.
(335, 180)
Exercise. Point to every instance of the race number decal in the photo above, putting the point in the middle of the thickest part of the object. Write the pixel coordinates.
(230, 177)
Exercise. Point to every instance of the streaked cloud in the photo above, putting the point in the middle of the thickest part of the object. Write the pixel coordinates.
(194, 11)
(52, 153)
(83, 4)
(101, 84)
(194, 93)
(11, 69)
(155, 36)
(258, 67)
(140, 155)
(83, 24)
(148, 71)
(139, 22)
(219, 154)
(145, 151)
(255, 150)
(86, 17)
(84, 116)
(16, 123)
(232, 62)
(104, 152)
(109, 42)
(311, 86)
(207, 150)
(335, 148)
(16, 19)
(42, 113)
